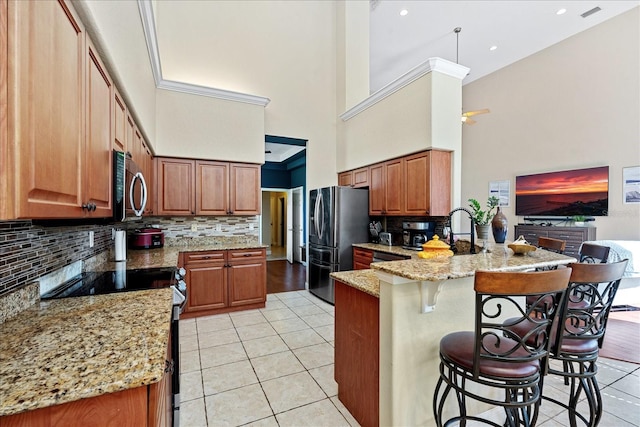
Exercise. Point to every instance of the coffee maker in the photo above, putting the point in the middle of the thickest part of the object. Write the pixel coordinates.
(415, 234)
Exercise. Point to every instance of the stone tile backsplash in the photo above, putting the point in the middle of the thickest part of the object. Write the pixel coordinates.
(29, 251)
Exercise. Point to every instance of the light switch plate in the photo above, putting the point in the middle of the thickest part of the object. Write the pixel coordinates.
(194, 227)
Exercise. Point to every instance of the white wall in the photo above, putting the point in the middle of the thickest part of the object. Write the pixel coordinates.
(285, 51)
(208, 128)
(116, 30)
(573, 105)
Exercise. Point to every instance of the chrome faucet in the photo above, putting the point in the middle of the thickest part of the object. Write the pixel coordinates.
(452, 242)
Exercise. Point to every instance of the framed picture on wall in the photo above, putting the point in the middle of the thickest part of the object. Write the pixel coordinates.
(501, 190)
(631, 184)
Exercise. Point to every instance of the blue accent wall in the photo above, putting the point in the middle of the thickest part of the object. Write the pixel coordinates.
(289, 174)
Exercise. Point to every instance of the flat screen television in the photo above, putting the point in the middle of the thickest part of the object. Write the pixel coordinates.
(564, 193)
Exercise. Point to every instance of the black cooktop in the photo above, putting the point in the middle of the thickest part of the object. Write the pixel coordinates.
(107, 282)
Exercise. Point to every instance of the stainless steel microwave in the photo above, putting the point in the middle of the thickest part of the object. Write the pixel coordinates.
(129, 188)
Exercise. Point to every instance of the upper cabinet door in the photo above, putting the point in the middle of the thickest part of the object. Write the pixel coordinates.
(394, 187)
(46, 109)
(119, 123)
(244, 189)
(98, 143)
(376, 189)
(176, 192)
(212, 188)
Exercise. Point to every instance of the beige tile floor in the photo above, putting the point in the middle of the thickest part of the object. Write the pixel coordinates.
(274, 367)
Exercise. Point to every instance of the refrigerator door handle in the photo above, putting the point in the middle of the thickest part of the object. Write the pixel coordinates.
(315, 216)
(321, 222)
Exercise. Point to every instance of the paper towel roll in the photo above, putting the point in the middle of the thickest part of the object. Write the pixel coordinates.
(121, 245)
(120, 278)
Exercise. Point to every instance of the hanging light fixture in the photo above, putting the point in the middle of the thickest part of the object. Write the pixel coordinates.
(457, 31)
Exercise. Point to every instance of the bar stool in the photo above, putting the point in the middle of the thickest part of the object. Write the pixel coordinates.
(496, 360)
(590, 252)
(589, 298)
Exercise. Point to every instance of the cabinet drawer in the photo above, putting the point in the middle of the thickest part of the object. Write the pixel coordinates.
(203, 257)
(244, 254)
(363, 253)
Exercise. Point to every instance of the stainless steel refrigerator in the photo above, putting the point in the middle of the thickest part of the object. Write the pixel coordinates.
(338, 217)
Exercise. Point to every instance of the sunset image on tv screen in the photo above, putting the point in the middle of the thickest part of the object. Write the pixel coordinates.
(566, 193)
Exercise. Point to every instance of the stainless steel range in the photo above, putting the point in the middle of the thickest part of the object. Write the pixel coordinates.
(123, 280)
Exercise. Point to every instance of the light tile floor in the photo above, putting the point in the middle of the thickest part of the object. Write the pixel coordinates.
(274, 367)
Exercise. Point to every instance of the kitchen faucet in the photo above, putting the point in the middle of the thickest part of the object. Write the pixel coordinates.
(452, 242)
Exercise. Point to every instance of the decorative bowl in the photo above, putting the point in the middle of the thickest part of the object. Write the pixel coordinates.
(521, 246)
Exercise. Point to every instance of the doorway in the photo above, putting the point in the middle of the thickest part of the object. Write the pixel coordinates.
(281, 227)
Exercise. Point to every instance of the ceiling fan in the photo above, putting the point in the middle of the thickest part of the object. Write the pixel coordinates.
(466, 117)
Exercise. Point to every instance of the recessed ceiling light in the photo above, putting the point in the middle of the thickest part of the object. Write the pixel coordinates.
(404, 12)
(561, 12)
(493, 47)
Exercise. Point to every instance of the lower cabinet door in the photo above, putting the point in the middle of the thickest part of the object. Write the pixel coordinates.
(207, 287)
(247, 283)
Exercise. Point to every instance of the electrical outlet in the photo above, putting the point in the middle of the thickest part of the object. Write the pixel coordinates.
(250, 227)
(91, 239)
(218, 227)
(194, 227)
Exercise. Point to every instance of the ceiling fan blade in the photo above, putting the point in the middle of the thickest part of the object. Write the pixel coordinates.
(475, 112)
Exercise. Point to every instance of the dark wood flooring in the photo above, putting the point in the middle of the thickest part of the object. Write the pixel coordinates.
(622, 339)
(285, 277)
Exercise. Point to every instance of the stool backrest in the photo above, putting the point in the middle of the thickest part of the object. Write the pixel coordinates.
(594, 254)
(551, 244)
(499, 297)
(592, 289)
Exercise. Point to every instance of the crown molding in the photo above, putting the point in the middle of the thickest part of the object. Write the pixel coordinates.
(149, 28)
(432, 64)
(211, 92)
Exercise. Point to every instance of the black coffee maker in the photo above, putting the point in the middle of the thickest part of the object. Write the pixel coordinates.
(415, 234)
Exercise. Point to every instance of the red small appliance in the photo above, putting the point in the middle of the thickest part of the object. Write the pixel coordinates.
(146, 238)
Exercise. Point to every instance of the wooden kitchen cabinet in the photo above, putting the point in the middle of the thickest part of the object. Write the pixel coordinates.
(212, 188)
(357, 352)
(224, 281)
(207, 187)
(206, 280)
(427, 178)
(357, 178)
(98, 140)
(244, 189)
(45, 121)
(386, 188)
(362, 258)
(119, 122)
(247, 277)
(175, 186)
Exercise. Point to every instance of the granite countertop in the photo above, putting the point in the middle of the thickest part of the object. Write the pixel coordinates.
(364, 280)
(396, 250)
(167, 256)
(500, 258)
(69, 349)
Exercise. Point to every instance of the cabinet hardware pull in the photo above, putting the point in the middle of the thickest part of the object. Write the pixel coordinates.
(246, 255)
(168, 366)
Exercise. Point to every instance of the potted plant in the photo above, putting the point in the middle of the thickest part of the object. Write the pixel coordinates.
(578, 220)
(483, 218)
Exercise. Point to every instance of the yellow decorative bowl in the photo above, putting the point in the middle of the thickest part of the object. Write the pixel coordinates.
(521, 246)
(435, 248)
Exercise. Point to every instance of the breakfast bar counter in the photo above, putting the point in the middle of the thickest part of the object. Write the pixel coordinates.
(419, 301)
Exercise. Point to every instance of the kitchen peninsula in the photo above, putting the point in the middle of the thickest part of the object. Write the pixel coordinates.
(389, 321)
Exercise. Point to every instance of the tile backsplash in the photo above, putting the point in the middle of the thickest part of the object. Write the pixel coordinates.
(29, 251)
